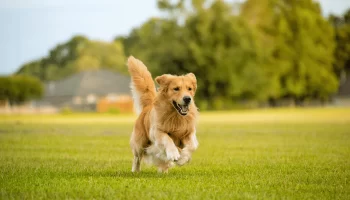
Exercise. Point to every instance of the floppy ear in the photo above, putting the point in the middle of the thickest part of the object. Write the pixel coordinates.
(163, 79)
(193, 79)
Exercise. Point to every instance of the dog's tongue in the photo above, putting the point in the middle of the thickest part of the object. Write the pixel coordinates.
(184, 108)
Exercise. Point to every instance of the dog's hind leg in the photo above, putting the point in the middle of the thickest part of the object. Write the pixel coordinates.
(136, 165)
(137, 144)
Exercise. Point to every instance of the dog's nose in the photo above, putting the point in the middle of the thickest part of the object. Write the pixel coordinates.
(187, 99)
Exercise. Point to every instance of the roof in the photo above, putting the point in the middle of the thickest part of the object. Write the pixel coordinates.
(97, 82)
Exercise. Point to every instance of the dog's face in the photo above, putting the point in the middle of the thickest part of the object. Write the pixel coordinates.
(178, 90)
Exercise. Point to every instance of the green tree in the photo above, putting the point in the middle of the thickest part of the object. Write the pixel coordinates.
(77, 54)
(341, 26)
(19, 89)
(223, 49)
(156, 42)
(314, 47)
(208, 40)
(270, 49)
(301, 47)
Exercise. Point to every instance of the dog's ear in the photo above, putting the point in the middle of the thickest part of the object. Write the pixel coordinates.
(193, 79)
(163, 79)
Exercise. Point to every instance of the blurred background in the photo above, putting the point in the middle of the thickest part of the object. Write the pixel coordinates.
(69, 56)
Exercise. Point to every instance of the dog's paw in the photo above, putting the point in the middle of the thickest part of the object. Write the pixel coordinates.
(183, 160)
(161, 156)
(172, 154)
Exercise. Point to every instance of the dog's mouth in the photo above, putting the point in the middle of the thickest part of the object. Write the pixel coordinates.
(181, 109)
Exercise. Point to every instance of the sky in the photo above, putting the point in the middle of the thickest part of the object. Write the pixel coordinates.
(30, 28)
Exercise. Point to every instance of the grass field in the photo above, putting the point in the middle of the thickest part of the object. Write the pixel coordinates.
(258, 154)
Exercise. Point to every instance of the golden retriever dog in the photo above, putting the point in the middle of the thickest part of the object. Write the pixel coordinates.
(165, 130)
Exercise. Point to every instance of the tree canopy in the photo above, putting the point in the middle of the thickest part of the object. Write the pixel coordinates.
(77, 54)
(257, 51)
(341, 26)
(19, 89)
(267, 50)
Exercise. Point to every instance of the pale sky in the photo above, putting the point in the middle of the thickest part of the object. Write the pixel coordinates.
(30, 28)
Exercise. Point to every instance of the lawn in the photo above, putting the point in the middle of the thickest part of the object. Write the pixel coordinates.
(252, 154)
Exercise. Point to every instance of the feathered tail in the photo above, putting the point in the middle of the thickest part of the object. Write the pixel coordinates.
(142, 85)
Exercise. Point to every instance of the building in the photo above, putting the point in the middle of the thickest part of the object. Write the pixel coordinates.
(95, 90)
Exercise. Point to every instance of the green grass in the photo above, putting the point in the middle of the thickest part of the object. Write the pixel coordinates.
(258, 154)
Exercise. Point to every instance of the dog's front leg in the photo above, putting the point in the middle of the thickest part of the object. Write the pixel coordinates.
(190, 145)
(163, 141)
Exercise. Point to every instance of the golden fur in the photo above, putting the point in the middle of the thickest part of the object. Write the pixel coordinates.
(163, 134)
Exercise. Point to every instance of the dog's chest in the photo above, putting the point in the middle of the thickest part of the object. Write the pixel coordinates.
(177, 128)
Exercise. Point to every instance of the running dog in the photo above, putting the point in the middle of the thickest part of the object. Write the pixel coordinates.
(165, 130)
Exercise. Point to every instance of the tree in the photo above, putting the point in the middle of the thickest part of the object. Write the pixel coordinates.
(270, 50)
(77, 54)
(271, 32)
(211, 42)
(19, 89)
(341, 26)
(223, 49)
(314, 46)
(301, 49)
(155, 43)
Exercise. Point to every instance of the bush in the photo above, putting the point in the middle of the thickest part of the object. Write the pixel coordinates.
(113, 111)
(66, 110)
(218, 103)
(203, 105)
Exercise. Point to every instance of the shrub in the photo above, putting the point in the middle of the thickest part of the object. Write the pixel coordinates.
(66, 110)
(113, 111)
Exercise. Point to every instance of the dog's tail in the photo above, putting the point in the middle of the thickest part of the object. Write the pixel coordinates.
(142, 85)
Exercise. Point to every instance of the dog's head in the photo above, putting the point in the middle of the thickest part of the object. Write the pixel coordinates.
(178, 90)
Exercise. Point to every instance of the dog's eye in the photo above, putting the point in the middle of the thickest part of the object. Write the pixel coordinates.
(189, 89)
(177, 89)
